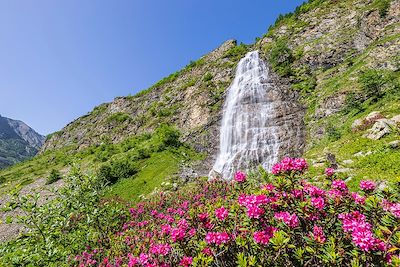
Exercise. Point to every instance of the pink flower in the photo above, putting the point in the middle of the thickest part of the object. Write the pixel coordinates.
(318, 234)
(132, 260)
(221, 213)
(144, 258)
(217, 238)
(318, 202)
(289, 219)
(186, 261)
(394, 208)
(329, 172)
(268, 187)
(262, 237)
(207, 251)
(340, 185)
(288, 165)
(240, 177)
(177, 234)
(160, 249)
(367, 185)
(358, 198)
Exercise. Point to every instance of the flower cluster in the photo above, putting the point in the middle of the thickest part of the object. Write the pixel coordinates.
(211, 223)
(288, 165)
(367, 185)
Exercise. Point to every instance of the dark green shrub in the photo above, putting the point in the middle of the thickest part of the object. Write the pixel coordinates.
(383, 7)
(372, 84)
(115, 170)
(208, 77)
(281, 58)
(333, 133)
(237, 51)
(353, 103)
(166, 136)
(118, 117)
(54, 176)
(2, 179)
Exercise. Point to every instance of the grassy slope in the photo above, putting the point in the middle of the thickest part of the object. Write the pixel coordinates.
(153, 172)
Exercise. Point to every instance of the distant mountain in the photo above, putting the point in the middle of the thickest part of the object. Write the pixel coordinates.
(18, 141)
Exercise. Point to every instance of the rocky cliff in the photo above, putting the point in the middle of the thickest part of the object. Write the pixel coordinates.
(316, 54)
(17, 141)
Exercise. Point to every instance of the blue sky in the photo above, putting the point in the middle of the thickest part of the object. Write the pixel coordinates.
(59, 59)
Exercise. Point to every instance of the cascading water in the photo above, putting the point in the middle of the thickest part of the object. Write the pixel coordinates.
(250, 134)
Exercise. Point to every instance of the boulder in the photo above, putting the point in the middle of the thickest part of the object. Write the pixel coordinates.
(396, 119)
(370, 119)
(394, 144)
(381, 128)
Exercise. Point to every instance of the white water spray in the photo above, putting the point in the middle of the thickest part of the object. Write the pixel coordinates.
(247, 136)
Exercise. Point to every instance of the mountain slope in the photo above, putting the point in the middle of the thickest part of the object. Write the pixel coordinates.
(17, 141)
(326, 54)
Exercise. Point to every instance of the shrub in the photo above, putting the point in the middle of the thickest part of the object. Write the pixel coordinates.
(117, 169)
(54, 176)
(74, 220)
(2, 179)
(207, 77)
(333, 133)
(118, 117)
(288, 220)
(383, 7)
(166, 136)
(281, 58)
(372, 84)
(237, 51)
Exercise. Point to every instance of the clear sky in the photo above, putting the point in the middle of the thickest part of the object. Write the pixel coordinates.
(61, 58)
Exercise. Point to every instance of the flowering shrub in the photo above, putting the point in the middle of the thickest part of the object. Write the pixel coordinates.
(287, 220)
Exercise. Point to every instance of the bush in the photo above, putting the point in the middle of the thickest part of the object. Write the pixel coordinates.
(281, 58)
(118, 169)
(208, 77)
(289, 220)
(333, 133)
(2, 179)
(166, 136)
(383, 7)
(372, 84)
(54, 176)
(75, 220)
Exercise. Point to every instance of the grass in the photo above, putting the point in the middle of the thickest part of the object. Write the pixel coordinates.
(153, 172)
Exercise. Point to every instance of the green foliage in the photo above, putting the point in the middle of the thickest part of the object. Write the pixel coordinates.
(76, 218)
(166, 136)
(383, 7)
(207, 77)
(281, 58)
(54, 176)
(2, 179)
(118, 117)
(333, 133)
(372, 84)
(237, 51)
(117, 169)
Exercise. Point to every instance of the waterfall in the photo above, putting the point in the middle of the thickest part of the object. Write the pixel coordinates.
(249, 133)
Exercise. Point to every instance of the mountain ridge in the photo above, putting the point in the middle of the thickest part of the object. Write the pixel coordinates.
(18, 141)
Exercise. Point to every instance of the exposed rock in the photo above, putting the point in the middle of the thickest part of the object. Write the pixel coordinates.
(331, 158)
(394, 144)
(396, 119)
(330, 105)
(380, 129)
(370, 119)
(362, 154)
(348, 162)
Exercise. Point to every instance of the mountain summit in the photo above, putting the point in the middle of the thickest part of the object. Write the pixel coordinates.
(18, 141)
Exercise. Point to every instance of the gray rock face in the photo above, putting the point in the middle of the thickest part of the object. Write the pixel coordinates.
(17, 141)
(380, 129)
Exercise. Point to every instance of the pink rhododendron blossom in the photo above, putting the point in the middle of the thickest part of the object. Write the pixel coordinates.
(177, 234)
(329, 172)
(288, 165)
(160, 249)
(290, 220)
(263, 237)
(339, 185)
(318, 234)
(314, 191)
(217, 238)
(359, 199)
(367, 185)
(268, 187)
(318, 202)
(144, 258)
(186, 261)
(240, 177)
(394, 208)
(221, 213)
(132, 260)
